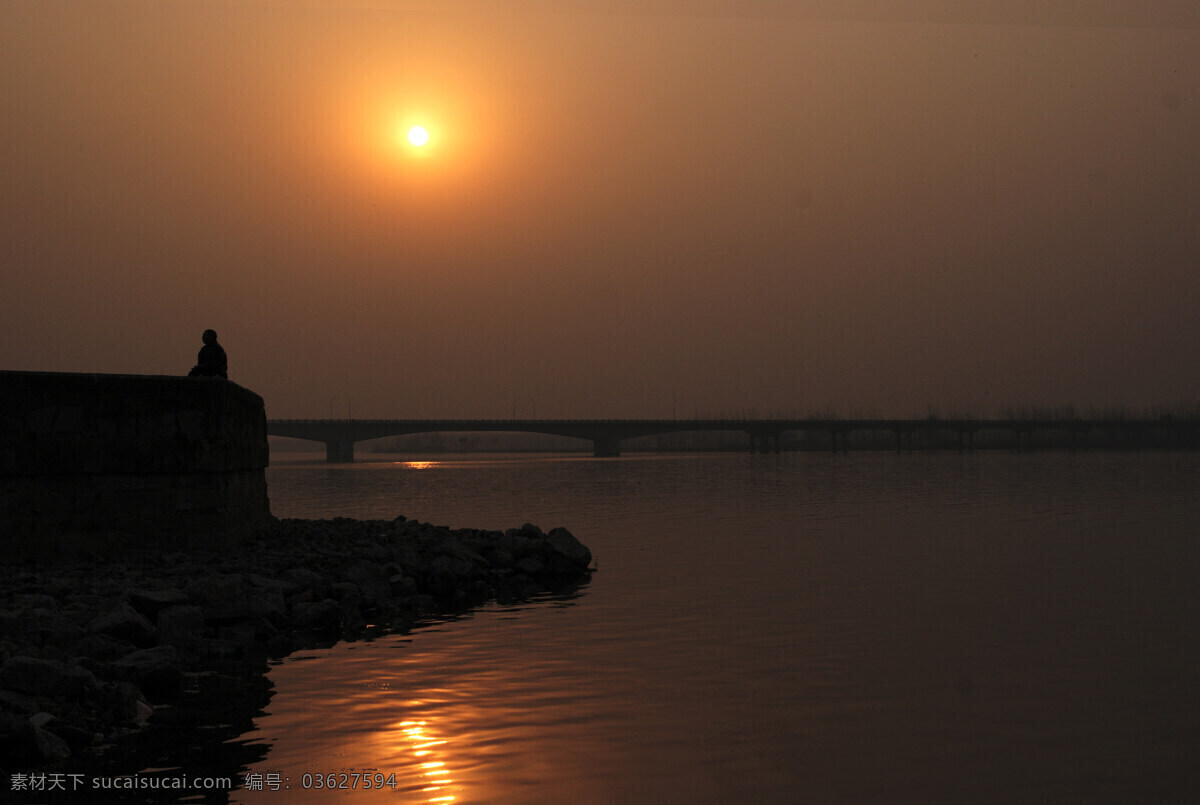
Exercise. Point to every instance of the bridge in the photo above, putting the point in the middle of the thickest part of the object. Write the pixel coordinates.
(764, 435)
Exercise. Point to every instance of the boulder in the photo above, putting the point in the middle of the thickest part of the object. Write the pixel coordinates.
(34, 601)
(16, 739)
(282, 587)
(100, 647)
(452, 566)
(151, 602)
(49, 746)
(449, 575)
(305, 580)
(402, 585)
(352, 620)
(459, 550)
(21, 741)
(223, 597)
(122, 701)
(323, 615)
(564, 543)
(42, 719)
(270, 606)
(181, 626)
(530, 566)
(218, 648)
(52, 627)
(125, 623)
(153, 670)
(372, 581)
(514, 543)
(37, 676)
(244, 635)
(18, 703)
(345, 591)
(14, 624)
(500, 558)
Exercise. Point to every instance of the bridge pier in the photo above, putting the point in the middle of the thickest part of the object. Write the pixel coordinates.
(764, 442)
(606, 448)
(842, 434)
(339, 450)
(966, 440)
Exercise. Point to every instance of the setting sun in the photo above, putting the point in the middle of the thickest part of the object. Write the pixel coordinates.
(418, 136)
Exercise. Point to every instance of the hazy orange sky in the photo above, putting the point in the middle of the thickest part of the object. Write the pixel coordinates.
(625, 208)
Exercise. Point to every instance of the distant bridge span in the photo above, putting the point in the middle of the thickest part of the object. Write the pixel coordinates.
(339, 435)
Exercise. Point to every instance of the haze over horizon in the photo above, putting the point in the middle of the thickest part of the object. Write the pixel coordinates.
(624, 210)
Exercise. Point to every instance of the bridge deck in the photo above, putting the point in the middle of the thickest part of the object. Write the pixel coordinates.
(607, 434)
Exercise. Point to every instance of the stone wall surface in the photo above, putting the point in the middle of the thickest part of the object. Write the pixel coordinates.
(105, 464)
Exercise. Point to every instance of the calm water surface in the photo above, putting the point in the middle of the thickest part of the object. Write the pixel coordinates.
(857, 628)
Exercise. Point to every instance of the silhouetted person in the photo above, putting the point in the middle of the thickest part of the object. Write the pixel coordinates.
(211, 361)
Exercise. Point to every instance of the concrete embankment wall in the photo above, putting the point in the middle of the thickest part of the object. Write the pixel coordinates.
(108, 464)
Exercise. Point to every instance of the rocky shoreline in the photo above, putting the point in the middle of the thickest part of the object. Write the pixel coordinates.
(89, 649)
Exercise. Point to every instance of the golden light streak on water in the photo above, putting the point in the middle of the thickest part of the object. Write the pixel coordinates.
(420, 741)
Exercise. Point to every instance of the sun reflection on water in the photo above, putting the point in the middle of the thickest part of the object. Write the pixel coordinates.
(423, 746)
(418, 465)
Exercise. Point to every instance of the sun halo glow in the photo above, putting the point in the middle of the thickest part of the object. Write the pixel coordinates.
(418, 136)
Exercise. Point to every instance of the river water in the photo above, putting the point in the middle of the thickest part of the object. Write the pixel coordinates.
(866, 627)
